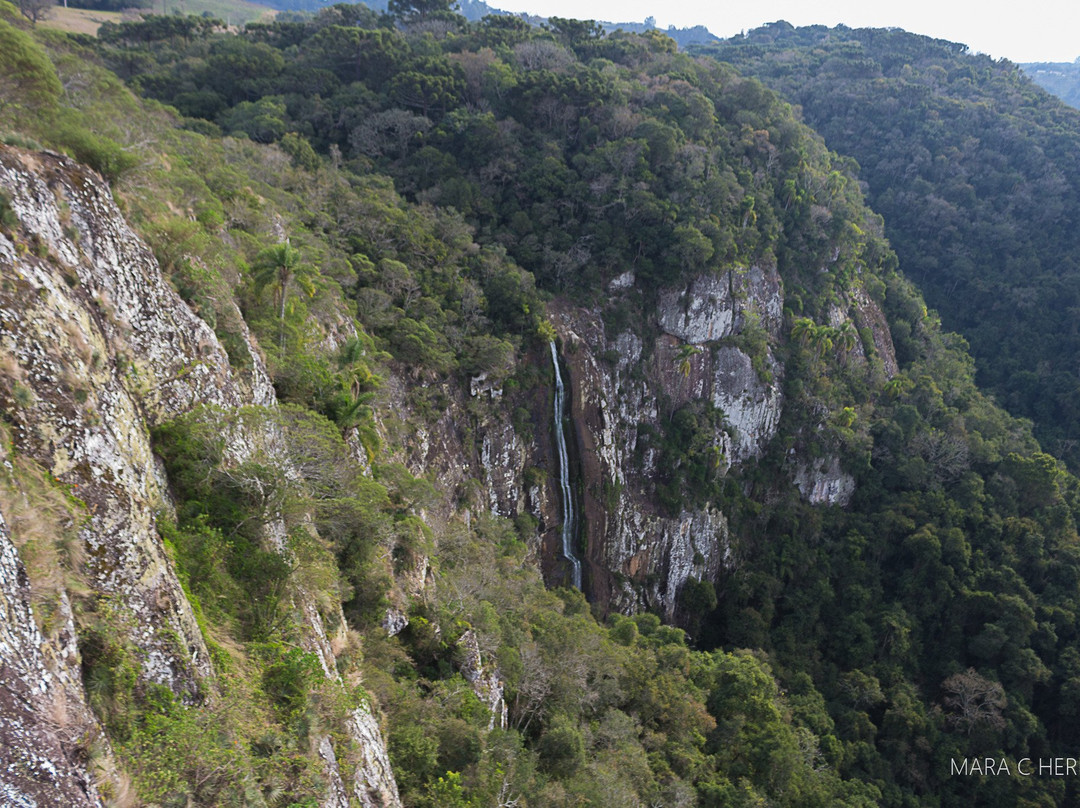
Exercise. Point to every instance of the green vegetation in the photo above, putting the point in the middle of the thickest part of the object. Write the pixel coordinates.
(975, 171)
(576, 153)
(388, 208)
(1057, 78)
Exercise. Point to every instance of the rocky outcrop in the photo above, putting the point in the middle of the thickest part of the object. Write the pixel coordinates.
(469, 439)
(638, 556)
(373, 783)
(45, 743)
(870, 319)
(824, 482)
(718, 342)
(715, 305)
(99, 350)
(714, 317)
(96, 349)
(751, 405)
(485, 679)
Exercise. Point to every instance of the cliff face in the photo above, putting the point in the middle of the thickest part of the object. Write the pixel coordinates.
(715, 342)
(44, 724)
(95, 349)
(638, 556)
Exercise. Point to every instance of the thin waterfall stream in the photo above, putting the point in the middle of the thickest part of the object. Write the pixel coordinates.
(568, 522)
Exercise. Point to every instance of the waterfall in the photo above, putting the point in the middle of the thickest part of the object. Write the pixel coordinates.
(564, 474)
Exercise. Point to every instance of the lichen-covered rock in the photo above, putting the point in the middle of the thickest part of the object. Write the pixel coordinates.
(95, 349)
(337, 796)
(657, 555)
(870, 318)
(714, 306)
(824, 483)
(43, 762)
(640, 558)
(394, 621)
(485, 680)
(752, 406)
(373, 783)
(99, 349)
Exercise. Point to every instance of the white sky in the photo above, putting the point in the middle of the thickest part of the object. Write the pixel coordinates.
(1021, 30)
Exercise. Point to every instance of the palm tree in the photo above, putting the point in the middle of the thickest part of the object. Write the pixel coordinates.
(800, 329)
(279, 266)
(820, 338)
(683, 358)
(846, 336)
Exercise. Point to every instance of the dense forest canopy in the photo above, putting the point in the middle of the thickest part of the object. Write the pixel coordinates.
(581, 154)
(976, 171)
(439, 182)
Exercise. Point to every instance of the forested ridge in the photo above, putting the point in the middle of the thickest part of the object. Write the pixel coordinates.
(1059, 78)
(392, 202)
(974, 169)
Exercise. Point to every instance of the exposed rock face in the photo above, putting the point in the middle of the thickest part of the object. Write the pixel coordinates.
(639, 557)
(95, 349)
(485, 680)
(44, 745)
(470, 438)
(337, 796)
(718, 336)
(869, 317)
(824, 483)
(718, 307)
(715, 306)
(751, 405)
(105, 350)
(373, 784)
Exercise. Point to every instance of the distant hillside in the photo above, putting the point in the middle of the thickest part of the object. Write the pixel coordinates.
(684, 37)
(1060, 78)
(474, 10)
(976, 171)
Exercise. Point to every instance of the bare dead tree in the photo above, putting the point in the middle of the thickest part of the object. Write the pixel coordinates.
(974, 700)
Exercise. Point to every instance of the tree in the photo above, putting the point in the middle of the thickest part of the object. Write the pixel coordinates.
(846, 337)
(35, 10)
(280, 266)
(575, 32)
(27, 76)
(975, 700)
(263, 120)
(683, 356)
(414, 10)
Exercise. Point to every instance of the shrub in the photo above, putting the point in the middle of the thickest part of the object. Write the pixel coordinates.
(104, 155)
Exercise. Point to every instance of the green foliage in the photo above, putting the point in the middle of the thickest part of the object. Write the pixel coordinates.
(101, 153)
(692, 464)
(110, 5)
(289, 676)
(8, 219)
(974, 170)
(672, 187)
(515, 163)
(28, 80)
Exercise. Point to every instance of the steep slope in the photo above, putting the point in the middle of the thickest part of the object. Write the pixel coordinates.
(98, 351)
(774, 444)
(1057, 78)
(975, 170)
